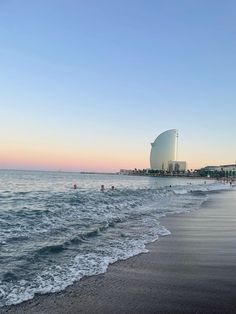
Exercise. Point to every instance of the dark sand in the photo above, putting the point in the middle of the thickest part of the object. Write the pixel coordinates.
(191, 271)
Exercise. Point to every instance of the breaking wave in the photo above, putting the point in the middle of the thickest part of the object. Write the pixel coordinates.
(52, 235)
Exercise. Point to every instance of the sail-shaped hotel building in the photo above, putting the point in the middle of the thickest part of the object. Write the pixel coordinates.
(164, 150)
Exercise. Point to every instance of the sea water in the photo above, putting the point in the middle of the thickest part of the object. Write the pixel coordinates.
(52, 235)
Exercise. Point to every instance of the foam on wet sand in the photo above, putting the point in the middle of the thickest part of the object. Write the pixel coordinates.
(190, 271)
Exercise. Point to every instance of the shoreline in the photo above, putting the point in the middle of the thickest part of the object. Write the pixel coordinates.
(191, 270)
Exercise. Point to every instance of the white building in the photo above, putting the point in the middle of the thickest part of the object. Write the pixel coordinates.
(175, 166)
(164, 149)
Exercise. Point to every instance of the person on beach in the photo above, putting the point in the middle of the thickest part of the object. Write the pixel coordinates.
(102, 188)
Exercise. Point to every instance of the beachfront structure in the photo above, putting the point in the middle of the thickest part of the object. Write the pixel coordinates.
(126, 171)
(177, 166)
(229, 168)
(164, 149)
(219, 171)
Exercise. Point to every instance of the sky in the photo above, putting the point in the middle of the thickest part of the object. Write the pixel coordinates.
(88, 85)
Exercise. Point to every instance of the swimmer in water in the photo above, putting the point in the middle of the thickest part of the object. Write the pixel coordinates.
(102, 188)
(113, 188)
(75, 186)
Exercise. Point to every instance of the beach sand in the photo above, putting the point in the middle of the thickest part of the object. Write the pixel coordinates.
(190, 271)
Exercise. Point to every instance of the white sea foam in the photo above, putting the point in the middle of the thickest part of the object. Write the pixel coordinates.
(65, 236)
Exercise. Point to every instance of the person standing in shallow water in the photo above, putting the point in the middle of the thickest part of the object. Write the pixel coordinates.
(102, 188)
(75, 186)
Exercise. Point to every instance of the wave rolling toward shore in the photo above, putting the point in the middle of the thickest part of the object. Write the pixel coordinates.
(52, 235)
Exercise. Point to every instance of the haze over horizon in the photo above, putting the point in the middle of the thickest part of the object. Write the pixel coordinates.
(88, 87)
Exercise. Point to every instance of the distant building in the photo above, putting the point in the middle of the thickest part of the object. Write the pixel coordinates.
(212, 168)
(219, 171)
(126, 171)
(163, 150)
(231, 167)
(177, 166)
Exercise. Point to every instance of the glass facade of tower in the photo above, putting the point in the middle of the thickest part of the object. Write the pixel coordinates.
(163, 150)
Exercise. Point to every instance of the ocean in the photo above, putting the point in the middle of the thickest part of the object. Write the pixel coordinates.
(52, 235)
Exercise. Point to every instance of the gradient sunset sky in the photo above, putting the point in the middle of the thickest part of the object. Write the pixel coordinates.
(88, 85)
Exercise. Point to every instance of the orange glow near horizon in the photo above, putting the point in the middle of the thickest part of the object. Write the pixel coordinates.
(30, 158)
(63, 155)
(51, 160)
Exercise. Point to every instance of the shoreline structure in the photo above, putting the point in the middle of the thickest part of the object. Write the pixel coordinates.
(189, 271)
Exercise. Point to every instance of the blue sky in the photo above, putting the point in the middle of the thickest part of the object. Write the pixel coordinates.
(90, 84)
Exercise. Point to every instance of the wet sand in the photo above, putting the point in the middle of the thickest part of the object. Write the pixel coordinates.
(191, 271)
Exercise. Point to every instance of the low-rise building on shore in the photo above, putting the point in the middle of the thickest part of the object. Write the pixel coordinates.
(219, 171)
(175, 166)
